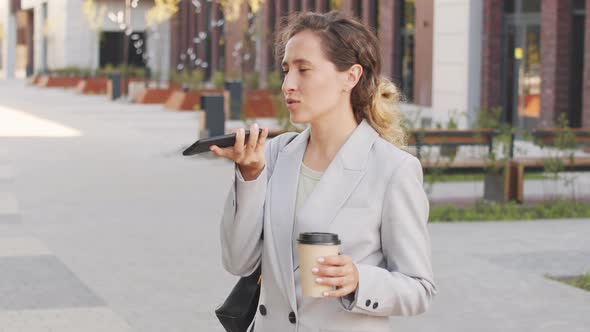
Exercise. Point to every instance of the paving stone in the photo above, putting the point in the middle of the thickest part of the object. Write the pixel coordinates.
(6, 173)
(98, 319)
(22, 246)
(9, 211)
(8, 204)
(41, 282)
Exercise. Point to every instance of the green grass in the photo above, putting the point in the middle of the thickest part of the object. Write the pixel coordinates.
(482, 211)
(476, 177)
(582, 282)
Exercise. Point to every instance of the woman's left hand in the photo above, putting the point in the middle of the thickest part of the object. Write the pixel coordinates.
(337, 271)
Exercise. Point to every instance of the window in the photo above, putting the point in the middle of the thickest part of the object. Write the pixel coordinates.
(579, 6)
(358, 9)
(522, 6)
(271, 35)
(112, 48)
(407, 33)
(335, 4)
(284, 8)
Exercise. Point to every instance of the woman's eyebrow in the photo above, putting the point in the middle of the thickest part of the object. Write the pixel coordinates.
(299, 61)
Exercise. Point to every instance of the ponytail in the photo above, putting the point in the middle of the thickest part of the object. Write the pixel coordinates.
(384, 115)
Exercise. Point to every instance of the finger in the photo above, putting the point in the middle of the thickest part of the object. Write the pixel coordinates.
(340, 292)
(239, 146)
(253, 139)
(219, 151)
(333, 271)
(216, 150)
(339, 260)
(223, 152)
(262, 139)
(336, 282)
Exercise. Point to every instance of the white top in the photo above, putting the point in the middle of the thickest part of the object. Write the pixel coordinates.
(308, 179)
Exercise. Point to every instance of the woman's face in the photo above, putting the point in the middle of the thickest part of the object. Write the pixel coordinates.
(312, 86)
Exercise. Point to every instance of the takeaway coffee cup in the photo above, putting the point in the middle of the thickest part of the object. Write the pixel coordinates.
(311, 246)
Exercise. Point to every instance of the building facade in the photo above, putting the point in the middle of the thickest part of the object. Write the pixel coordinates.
(56, 34)
(536, 61)
(451, 58)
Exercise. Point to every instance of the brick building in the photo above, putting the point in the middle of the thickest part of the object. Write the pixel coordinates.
(529, 57)
(228, 48)
(536, 61)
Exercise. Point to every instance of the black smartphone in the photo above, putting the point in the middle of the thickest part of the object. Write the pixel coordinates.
(223, 141)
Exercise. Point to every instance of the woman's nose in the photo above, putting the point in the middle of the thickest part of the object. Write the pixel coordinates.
(289, 84)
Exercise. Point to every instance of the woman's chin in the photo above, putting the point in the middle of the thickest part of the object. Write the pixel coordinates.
(298, 118)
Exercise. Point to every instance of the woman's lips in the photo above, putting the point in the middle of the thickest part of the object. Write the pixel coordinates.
(292, 104)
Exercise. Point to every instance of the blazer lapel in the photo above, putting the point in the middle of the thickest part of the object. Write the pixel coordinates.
(339, 180)
(283, 191)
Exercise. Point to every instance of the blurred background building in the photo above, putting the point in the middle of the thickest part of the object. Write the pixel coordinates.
(531, 58)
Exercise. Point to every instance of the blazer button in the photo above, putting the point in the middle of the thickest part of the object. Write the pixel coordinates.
(292, 318)
(368, 303)
(262, 309)
(375, 305)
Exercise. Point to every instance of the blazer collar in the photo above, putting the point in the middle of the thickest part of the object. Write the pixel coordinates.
(353, 154)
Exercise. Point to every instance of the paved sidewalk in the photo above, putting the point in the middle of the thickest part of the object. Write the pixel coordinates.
(113, 230)
(38, 292)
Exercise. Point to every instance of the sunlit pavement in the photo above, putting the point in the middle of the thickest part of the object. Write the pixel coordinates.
(104, 226)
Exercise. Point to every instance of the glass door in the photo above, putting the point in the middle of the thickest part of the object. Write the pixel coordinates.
(522, 70)
(577, 62)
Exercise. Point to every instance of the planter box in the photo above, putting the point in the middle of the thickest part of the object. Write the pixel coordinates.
(258, 104)
(124, 87)
(449, 151)
(58, 82)
(494, 189)
(35, 80)
(153, 96)
(186, 101)
(93, 86)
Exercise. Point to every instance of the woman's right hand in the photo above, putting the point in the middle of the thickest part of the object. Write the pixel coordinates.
(249, 156)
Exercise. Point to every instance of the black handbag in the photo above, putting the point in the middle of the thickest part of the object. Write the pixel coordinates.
(238, 310)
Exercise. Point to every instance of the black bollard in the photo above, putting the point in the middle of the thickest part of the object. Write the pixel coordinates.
(215, 117)
(115, 79)
(235, 98)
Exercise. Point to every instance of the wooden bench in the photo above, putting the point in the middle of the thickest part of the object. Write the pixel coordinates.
(451, 138)
(546, 137)
(455, 138)
(518, 168)
(549, 137)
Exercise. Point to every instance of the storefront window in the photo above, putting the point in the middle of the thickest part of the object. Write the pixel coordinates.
(522, 63)
(579, 5)
(522, 6)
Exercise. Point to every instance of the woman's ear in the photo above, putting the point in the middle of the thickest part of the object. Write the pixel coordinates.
(354, 75)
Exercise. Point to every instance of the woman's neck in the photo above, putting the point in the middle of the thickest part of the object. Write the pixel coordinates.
(327, 136)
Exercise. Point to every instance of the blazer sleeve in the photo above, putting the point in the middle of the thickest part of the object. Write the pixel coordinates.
(405, 286)
(241, 224)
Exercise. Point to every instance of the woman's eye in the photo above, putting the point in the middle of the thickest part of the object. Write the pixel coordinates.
(301, 70)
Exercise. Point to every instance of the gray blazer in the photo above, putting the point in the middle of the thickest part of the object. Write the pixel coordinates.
(371, 195)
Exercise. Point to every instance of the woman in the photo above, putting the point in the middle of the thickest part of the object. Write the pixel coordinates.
(345, 174)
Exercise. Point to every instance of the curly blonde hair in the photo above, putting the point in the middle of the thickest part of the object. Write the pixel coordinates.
(347, 42)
